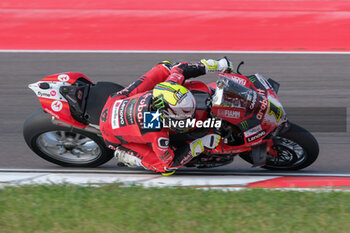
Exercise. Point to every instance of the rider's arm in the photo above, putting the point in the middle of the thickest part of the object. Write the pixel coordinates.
(177, 73)
(184, 70)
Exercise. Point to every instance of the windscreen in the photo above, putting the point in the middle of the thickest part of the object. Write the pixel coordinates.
(232, 94)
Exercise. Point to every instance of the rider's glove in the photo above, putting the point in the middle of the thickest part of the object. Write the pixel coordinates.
(223, 65)
(207, 142)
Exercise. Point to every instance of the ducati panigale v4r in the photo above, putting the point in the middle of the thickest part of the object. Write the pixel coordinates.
(254, 125)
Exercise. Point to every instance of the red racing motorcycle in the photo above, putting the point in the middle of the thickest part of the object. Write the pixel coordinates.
(253, 126)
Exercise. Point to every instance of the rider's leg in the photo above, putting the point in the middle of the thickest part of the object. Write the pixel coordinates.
(146, 82)
(135, 154)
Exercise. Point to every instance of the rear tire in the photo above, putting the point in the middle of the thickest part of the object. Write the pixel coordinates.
(298, 149)
(67, 147)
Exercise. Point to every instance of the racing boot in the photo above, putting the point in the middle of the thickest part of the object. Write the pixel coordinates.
(223, 65)
(127, 159)
(168, 173)
(166, 64)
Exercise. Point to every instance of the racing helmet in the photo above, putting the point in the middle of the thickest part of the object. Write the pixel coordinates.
(174, 102)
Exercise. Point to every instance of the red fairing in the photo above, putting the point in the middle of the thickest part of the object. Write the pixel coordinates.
(197, 85)
(55, 104)
(263, 111)
(212, 85)
(69, 77)
(60, 110)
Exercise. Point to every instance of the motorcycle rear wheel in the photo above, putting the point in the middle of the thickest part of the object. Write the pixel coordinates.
(67, 147)
(297, 149)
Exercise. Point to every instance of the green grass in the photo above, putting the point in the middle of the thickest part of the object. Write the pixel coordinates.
(110, 208)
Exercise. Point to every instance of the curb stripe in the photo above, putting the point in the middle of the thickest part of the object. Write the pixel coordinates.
(302, 182)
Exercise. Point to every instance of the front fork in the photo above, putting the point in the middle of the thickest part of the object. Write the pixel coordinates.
(271, 143)
(259, 152)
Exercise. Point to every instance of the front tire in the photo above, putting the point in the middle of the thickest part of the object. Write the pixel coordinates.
(296, 149)
(67, 147)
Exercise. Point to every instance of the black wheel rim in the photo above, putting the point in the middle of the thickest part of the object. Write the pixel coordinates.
(289, 154)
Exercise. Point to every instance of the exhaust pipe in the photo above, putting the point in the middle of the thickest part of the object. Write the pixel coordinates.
(89, 128)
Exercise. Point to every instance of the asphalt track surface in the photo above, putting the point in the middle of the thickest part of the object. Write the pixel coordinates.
(315, 82)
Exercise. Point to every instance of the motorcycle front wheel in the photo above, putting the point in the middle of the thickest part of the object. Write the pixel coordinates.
(296, 149)
(67, 147)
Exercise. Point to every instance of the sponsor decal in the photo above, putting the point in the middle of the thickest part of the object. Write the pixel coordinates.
(63, 77)
(262, 109)
(263, 105)
(229, 114)
(104, 115)
(115, 118)
(179, 95)
(275, 110)
(175, 77)
(53, 93)
(252, 79)
(252, 131)
(244, 124)
(43, 94)
(130, 112)
(239, 80)
(159, 102)
(141, 106)
(52, 113)
(254, 98)
(151, 120)
(163, 142)
(122, 120)
(256, 136)
(261, 91)
(56, 106)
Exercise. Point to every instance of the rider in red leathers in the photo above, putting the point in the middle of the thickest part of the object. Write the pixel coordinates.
(160, 90)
